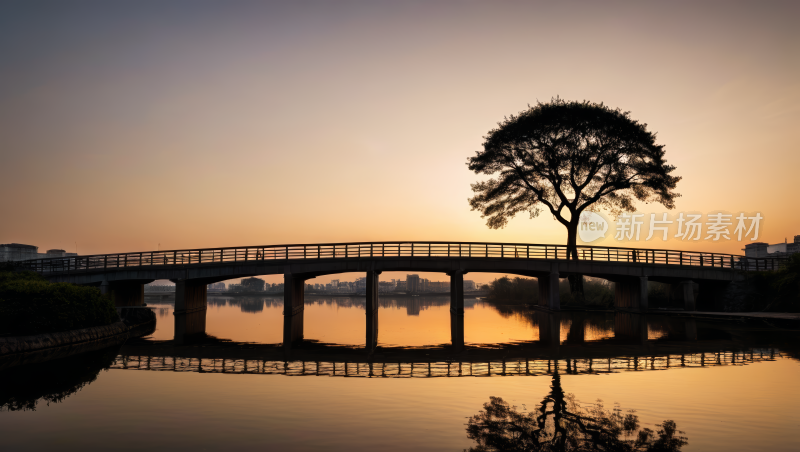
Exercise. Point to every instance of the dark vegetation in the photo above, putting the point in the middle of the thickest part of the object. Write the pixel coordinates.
(776, 291)
(597, 292)
(24, 387)
(29, 304)
(565, 158)
(560, 423)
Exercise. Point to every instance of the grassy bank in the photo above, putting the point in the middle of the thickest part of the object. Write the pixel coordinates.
(29, 304)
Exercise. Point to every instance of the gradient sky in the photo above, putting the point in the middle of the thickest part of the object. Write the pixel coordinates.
(126, 126)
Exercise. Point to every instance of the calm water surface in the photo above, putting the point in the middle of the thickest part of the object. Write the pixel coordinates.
(727, 386)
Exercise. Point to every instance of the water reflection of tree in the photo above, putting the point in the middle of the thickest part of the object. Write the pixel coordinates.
(25, 386)
(562, 424)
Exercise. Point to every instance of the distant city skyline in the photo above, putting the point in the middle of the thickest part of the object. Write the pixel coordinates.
(336, 285)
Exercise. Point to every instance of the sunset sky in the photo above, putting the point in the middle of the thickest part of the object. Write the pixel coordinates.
(128, 126)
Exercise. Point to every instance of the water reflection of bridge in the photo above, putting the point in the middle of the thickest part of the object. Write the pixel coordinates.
(621, 341)
(459, 368)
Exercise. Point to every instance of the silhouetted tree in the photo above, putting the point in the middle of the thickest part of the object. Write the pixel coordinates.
(561, 424)
(567, 157)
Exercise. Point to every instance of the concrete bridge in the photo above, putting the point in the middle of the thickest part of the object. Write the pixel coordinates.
(695, 277)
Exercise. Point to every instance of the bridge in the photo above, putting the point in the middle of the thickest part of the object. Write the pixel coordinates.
(695, 277)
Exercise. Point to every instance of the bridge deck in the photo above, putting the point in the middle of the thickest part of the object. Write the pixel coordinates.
(410, 250)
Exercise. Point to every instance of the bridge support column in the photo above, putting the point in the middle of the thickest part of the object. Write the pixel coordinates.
(631, 293)
(372, 310)
(190, 310)
(293, 293)
(457, 310)
(548, 291)
(124, 293)
(684, 291)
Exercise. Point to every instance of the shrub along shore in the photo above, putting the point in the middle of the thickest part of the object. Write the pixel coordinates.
(29, 304)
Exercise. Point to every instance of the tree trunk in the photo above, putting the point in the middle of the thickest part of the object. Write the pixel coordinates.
(575, 281)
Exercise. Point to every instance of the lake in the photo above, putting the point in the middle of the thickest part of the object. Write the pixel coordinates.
(726, 385)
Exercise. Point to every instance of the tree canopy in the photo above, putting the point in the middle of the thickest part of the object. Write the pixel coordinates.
(565, 157)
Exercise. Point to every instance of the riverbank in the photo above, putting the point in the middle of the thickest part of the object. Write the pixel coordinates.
(37, 348)
(31, 305)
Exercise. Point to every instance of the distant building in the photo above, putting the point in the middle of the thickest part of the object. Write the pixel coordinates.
(764, 250)
(252, 285)
(21, 252)
(469, 285)
(424, 285)
(159, 287)
(439, 286)
(216, 286)
(18, 252)
(385, 286)
(412, 283)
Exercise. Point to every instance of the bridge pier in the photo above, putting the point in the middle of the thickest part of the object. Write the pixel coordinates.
(124, 293)
(457, 310)
(548, 290)
(293, 293)
(684, 291)
(190, 310)
(631, 293)
(372, 310)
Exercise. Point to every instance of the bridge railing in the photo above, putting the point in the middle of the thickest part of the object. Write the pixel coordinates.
(397, 249)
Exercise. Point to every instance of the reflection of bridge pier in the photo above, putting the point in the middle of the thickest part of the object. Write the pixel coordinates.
(631, 326)
(577, 329)
(549, 329)
(690, 329)
(190, 309)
